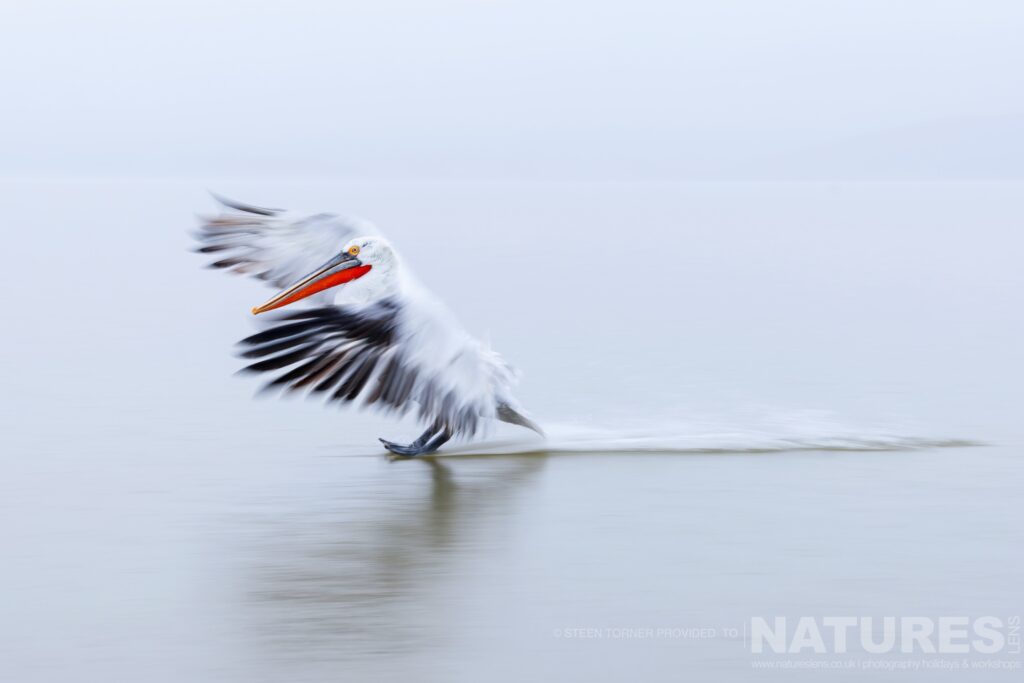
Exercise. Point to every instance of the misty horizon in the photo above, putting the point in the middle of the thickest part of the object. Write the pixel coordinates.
(652, 91)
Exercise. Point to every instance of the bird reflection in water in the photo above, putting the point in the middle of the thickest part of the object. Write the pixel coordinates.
(370, 572)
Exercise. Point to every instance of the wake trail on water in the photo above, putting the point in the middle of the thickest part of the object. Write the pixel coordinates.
(799, 433)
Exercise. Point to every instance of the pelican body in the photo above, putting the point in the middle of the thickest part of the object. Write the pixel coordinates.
(374, 337)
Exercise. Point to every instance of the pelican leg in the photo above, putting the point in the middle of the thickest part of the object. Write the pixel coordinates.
(428, 442)
(438, 440)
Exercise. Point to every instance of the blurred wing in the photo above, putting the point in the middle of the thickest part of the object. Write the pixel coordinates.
(272, 244)
(390, 357)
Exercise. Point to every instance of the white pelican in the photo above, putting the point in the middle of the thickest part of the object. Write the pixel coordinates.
(388, 341)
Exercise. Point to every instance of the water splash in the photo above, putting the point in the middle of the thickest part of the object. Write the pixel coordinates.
(804, 431)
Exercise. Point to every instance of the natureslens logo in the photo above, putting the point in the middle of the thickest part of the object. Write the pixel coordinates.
(946, 635)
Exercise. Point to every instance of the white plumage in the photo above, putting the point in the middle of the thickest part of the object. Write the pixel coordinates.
(377, 339)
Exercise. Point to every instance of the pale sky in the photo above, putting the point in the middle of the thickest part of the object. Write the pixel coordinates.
(645, 89)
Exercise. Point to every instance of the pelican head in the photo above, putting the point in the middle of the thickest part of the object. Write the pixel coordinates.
(357, 259)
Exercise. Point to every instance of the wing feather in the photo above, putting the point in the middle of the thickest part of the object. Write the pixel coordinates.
(369, 353)
(274, 245)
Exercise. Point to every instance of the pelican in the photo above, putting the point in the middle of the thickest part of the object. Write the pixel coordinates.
(374, 337)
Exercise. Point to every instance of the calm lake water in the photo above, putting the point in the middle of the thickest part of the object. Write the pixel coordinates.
(762, 400)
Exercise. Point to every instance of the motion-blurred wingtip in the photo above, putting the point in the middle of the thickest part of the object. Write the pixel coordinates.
(241, 206)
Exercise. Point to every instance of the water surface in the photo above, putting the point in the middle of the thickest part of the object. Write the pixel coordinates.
(788, 399)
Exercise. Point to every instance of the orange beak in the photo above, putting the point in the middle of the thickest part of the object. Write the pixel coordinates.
(339, 270)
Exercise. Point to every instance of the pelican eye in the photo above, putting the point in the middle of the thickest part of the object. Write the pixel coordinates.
(354, 250)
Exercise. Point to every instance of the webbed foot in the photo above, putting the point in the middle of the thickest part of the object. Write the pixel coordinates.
(428, 442)
(409, 451)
